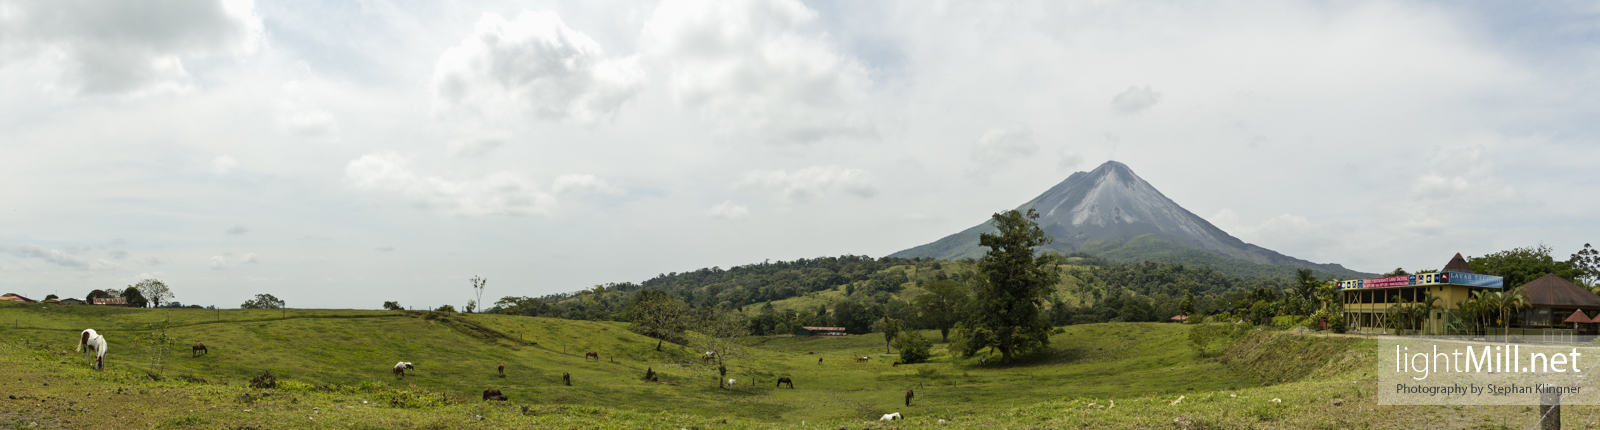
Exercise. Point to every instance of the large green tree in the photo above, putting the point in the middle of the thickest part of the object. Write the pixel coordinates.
(155, 291)
(1013, 283)
(1587, 262)
(1523, 265)
(942, 306)
(264, 301)
(657, 314)
(134, 297)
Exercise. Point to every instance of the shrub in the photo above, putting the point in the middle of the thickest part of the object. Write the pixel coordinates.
(913, 347)
(445, 308)
(1336, 323)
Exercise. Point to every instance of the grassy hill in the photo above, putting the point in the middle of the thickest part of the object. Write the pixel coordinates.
(333, 368)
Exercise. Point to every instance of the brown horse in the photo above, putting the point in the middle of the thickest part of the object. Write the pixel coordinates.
(502, 369)
(400, 369)
(896, 364)
(785, 380)
(909, 395)
(490, 392)
(596, 356)
(197, 349)
(862, 359)
(566, 377)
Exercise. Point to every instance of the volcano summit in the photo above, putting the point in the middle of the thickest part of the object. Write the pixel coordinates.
(1113, 213)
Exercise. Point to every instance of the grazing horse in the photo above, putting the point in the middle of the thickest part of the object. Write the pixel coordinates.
(862, 359)
(490, 393)
(909, 395)
(785, 380)
(502, 369)
(198, 349)
(400, 369)
(819, 361)
(95, 343)
(596, 356)
(896, 364)
(709, 355)
(891, 417)
(566, 377)
(650, 374)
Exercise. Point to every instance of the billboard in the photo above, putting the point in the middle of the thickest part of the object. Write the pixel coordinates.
(1438, 278)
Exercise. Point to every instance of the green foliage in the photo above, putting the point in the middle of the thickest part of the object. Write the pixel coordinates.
(263, 301)
(157, 345)
(1203, 335)
(392, 306)
(134, 297)
(914, 348)
(1522, 265)
(1013, 283)
(1587, 263)
(656, 314)
(942, 306)
(1263, 310)
(445, 308)
(155, 291)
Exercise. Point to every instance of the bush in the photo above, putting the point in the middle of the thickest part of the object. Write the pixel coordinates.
(913, 347)
(445, 308)
(1263, 310)
(1336, 323)
(393, 306)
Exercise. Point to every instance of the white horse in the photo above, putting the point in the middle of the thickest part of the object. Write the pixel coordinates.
(96, 343)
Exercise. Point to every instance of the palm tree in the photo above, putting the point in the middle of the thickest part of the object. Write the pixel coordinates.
(1514, 302)
(1426, 306)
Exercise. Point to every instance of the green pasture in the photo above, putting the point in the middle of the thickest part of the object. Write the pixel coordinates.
(1097, 375)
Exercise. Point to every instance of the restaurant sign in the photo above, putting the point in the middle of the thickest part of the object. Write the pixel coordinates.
(1437, 278)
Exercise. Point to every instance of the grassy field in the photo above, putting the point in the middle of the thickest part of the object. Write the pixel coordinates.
(333, 369)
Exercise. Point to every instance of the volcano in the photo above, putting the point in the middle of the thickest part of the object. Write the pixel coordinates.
(1113, 213)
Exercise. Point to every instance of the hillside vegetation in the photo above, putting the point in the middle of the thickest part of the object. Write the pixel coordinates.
(332, 371)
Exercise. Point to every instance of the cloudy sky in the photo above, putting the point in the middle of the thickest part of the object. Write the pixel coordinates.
(345, 153)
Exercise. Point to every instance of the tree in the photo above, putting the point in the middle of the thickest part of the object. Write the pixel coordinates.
(1587, 263)
(1522, 265)
(96, 294)
(445, 308)
(719, 332)
(134, 297)
(941, 307)
(154, 291)
(1396, 272)
(393, 306)
(656, 314)
(1013, 284)
(1187, 306)
(891, 329)
(51, 296)
(478, 282)
(1203, 334)
(263, 301)
(913, 347)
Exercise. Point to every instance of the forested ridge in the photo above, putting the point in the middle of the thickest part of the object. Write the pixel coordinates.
(855, 291)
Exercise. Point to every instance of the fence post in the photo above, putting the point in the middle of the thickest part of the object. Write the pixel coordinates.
(1549, 411)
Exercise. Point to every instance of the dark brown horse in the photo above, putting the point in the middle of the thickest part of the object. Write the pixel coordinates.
(785, 380)
(502, 369)
(490, 392)
(596, 356)
(909, 395)
(197, 349)
(566, 377)
(896, 364)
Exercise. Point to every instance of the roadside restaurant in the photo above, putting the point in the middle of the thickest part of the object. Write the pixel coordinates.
(1555, 309)
(1369, 303)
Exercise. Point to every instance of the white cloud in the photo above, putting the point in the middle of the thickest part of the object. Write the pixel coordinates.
(223, 164)
(238, 230)
(52, 256)
(584, 183)
(999, 147)
(119, 254)
(475, 146)
(501, 193)
(811, 182)
(111, 47)
(227, 260)
(534, 65)
(728, 210)
(753, 71)
(300, 115)
(1134, 100)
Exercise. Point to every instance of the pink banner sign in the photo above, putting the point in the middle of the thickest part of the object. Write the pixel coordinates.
(1392, 281)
